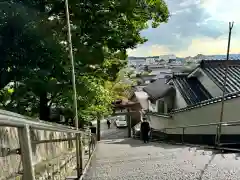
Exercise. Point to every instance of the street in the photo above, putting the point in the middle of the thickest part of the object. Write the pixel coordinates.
(113, 132)
(125, 158)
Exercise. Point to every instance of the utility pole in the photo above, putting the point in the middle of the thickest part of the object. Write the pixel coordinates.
(99, 118)
(219, 129)
(78, 136)
(128, 116)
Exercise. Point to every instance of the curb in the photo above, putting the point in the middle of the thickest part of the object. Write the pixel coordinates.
(88, 163)
(85, 168)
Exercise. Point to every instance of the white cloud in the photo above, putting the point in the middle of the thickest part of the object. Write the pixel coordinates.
(207, 46)
(196, 26)
(187, 3)
(223, 10)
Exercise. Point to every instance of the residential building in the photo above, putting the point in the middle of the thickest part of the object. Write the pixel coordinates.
(144, 79)
(136, 61)
(195, 99)
(151, 60)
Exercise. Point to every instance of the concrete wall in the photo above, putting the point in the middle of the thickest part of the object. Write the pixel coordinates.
(158, 121)
(203, 115)
(179, 100)
(54, 160)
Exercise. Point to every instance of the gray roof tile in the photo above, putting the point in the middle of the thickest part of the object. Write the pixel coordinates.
(215, 70)
(191, 89)
(158, 89)
(207, 102)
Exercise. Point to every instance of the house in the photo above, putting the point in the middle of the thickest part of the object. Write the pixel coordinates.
(136, 61)
(195, 99)
(160, 96)
(128, 107)
(144, 79)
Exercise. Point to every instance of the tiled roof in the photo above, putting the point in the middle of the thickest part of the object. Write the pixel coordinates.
(158, 89)
(215, 70)
(191, 89)
(148, 77)
(207, 102)
(194, 92)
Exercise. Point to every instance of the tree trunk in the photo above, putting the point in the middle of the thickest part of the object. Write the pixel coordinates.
(44, 111)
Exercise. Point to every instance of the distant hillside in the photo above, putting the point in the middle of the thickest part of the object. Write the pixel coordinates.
(217, 57)
(161, 56)
(199, 56)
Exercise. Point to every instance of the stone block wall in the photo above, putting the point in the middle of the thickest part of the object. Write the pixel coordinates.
(52, 160)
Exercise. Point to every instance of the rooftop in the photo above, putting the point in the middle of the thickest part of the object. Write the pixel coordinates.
(191, 89)
(215, 70)
(159, 89)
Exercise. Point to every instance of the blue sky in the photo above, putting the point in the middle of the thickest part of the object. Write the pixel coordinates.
(195, 27)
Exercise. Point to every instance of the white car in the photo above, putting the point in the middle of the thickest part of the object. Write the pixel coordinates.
(121, 122)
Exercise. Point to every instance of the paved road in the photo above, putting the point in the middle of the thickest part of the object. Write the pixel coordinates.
(119, 158)
(113, 132)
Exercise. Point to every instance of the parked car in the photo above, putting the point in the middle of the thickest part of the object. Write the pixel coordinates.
(121, 122)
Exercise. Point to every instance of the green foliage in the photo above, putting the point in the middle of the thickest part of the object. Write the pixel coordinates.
(34, 62)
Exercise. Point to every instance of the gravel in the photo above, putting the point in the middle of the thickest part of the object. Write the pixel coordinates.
(118, 159)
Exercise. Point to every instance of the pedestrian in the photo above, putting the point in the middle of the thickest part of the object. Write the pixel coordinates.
(109, 124)
(145, 130)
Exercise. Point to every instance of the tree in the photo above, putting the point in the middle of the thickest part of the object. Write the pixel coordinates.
(30, 57)
(34, 51)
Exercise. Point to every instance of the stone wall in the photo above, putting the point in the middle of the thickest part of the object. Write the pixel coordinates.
(52, 160)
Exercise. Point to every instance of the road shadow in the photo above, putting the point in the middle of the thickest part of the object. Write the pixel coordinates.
(139, 143)
(113, 134)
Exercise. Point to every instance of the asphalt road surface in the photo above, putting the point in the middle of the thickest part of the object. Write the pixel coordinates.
(128, 159)
(111, 133)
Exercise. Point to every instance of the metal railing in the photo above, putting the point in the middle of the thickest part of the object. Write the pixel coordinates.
(218, 124)
(25, 125)
(218, 134)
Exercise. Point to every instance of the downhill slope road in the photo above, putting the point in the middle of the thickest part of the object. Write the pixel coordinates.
(122, 158)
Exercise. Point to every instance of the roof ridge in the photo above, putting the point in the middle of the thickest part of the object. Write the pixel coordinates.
(207, 102)
(205, 63)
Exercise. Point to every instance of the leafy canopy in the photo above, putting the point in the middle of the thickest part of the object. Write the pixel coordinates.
(34, 60)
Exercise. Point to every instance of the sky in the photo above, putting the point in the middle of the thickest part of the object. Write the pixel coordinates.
(195, 27)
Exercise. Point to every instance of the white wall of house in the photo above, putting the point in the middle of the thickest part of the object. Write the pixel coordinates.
(212, 88)
(179, 100)
(160, 70)
(142, 98)
(204, 115)
(158, 121)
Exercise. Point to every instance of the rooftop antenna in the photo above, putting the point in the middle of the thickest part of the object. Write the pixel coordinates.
(219, 129)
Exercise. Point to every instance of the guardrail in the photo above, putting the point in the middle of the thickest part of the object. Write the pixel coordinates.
(218, 134)
(24, 125)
